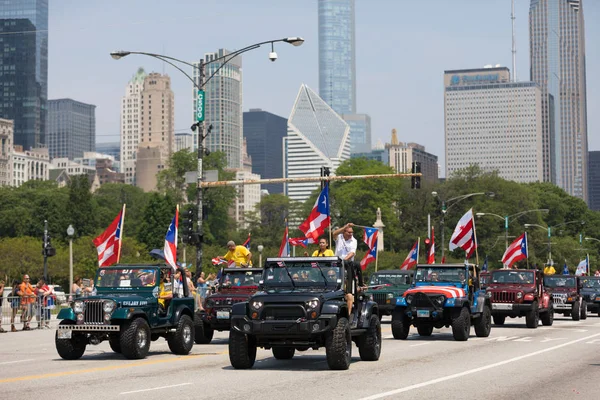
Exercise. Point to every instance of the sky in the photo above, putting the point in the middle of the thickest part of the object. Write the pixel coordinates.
(402, 50)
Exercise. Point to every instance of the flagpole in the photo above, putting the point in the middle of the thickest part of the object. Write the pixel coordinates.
(376, 255)
(527, 249)
(475, 239)
(121, 239)
(418, 248)
(329, 211)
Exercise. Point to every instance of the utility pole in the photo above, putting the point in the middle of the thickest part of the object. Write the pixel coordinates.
(200, 111)
(45, 250)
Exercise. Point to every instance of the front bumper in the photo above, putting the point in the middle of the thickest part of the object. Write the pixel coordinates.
(300, 328)
(511, 308)
(89, 328)
(386, 309)
(594, 307)
(562, 306)
(219, 320)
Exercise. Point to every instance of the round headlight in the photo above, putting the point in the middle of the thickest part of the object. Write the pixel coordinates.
(256, 305)
(109, 306)
(78, 307)
(409, 298)
(311, 304)
(390, 295)
(519, 295)
(440, 299)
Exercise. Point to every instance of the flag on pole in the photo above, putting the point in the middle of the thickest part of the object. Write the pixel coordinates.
(218, 261)
(301, 241)
(412, 258)
(108, 244)
(370, 238)
(516, 251)
(431, 255)
(565, 269)
(171, 241)
(284, 248)
(443, 258)
(582, 268)
(464, 235)
(246, 244)
(318, 220)
(485, 265)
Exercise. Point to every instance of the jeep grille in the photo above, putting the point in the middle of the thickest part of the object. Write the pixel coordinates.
(503, 297)
(380, 298)
(559, 298)
(284, 312)
(227, 302)
(424, 300)
(93, 313)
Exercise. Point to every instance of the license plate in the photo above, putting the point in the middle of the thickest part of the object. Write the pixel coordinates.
(65, 334)
(496, 306)
(423, 313)
(222, 314)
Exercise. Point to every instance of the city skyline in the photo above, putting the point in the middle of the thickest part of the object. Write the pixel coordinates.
(396, 93)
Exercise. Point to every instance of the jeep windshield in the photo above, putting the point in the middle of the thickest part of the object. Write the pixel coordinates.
(437, 275)
(240, 278)
(126, 277)
(591, 283)
(389, 279)
(559, 281)
(512, 277)
(301, 274)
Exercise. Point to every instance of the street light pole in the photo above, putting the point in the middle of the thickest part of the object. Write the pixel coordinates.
(199, 190)
(70, 233)
(549, 228)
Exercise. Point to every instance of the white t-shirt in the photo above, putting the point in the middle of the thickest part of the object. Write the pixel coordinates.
(344, 247)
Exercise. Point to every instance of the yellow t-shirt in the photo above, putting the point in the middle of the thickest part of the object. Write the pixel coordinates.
(549, 270)
(239, 255)
(162, 292)
(326, 253)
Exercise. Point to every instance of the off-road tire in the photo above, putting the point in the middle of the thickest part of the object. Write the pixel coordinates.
(283, 353)
(338, 346)
(182, 340)
(575, 311)
(203, 333)
(499, 319)
(135, 339)
(583, 309)
(461, 325)
(483, 324)
(548, 316)
(70, 349)
(400, 325)
(242, 350)
(532, 318)
(369, 344)
(115, 343)
(425, 329)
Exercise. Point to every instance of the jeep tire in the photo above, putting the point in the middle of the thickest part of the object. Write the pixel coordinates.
(575, 311)
(203, 332)
(532, 318)
(242, 350)
(70, 349)
(338, 345)
(115, 343)
(461, 325)
(583, 309)
(483, 324)
(135, 339)
(548, 316)
(499, 319)
(369, 343)
(283, 353)
(425, 329)
(400, 325)
(182, 340)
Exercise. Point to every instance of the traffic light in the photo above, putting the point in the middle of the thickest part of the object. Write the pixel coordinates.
(415, 181)
(187, 231)
(427, 242)
(324, 172)
(47, 249)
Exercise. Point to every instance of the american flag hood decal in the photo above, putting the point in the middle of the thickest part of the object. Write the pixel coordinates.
(447, 291)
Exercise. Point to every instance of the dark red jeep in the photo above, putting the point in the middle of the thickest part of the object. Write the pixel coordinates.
(566, 295)
(235, 285)
(520, 293)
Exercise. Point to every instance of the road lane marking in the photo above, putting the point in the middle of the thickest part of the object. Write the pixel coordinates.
(14, 362)
(419, 344)
(546, 340)
(157, 388)
(475, 370)
(551, 328)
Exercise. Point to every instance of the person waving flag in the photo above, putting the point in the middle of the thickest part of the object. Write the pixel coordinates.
(171, 241)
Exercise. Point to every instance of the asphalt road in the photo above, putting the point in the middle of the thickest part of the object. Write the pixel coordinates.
(558, 362)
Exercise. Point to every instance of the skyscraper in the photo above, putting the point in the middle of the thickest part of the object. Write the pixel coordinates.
(557, 55)
(131, 119)
(594, 180)
(24, 78)
(71, 128)
(223, 107)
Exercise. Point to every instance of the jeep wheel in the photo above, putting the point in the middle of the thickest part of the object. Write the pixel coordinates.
(369, 344)
(548, 317)
(499, 319)
(575, 311)
(204, 333)
(532, 318)
(338, 345)
(135, 339)
(182, 340)
(70, 349)
(115, 343)
(283, 353)
(425, 329)
(400, 325)
(461, 325)
(483, 324)
(583, 309)
(242, 350)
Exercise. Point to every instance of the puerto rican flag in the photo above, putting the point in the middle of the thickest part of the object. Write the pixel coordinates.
(583, 266)
(246, 244)
(370, 238)
(516, 251)
(464, 235)
(431, 255)
(218, 261)
(108, 244)
(171, 241)
(284, 247)
(301, 241)
(412, 258)
(318, 220)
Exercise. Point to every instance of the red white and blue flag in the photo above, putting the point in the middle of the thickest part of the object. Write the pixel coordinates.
(108, 244)
(284, 247)
(218, 261)
(301, 241)
(412, 258)
(246, 244)
(583, 266)
(171, 241)
(318, 220)
(516, 251)
(370, 238)
(464, 235)
(431, 255)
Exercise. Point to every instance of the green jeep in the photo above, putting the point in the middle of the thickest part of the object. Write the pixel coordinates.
(125, 310)
(386, 285)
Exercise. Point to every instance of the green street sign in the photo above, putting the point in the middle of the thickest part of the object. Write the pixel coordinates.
(200, 106)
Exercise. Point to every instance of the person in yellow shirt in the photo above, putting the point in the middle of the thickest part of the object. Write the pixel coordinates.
(549, 270)
(238, 254)
(165, 292)
(324, 250)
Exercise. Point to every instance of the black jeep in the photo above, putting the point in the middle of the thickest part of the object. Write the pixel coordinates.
(591, 293)
(302, 306)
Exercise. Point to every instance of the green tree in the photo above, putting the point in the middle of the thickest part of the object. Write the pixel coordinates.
(157, 216)
(110, 198)
(81, 206)
(171, 181)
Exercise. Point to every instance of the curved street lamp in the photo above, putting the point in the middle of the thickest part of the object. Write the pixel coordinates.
(199, 124)
(509, 218)
(549, 228)
(591, 238)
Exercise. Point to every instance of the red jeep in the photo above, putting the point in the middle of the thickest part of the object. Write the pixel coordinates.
(566, 295)
(520, 292)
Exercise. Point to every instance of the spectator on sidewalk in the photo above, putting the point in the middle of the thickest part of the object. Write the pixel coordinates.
(27, 294)
(1, 301)
(44, 294)
(15, 303)
(78, 290)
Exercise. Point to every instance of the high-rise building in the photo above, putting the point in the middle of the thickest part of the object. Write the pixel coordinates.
(71, 128)
(184, 141)
(6, 150)
(494, 123)
(24, 60)
(402, 155)
(360, 132)
(110, 148)
(557, 58)
(131, 119)
(29, 165)
(381, 155)
(223, 106)
(317, 137)
(264, 133)
(594, 180)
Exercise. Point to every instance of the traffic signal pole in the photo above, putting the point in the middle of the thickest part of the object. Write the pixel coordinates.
(45, 251)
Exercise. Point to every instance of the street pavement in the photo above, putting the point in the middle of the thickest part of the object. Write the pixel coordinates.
(558, 362)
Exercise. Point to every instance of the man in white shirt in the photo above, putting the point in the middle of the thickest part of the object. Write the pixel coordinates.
(345, 248)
